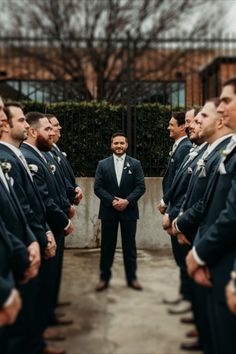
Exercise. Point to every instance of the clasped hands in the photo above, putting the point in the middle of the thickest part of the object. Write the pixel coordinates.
(120, 204)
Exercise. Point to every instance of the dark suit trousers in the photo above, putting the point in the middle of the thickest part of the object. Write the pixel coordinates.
(180, 252)
(108, 246)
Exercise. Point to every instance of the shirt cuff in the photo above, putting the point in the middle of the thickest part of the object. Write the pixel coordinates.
(163, 204)
(9, 300)
(176, 226)
(197, 258)
(68, 225)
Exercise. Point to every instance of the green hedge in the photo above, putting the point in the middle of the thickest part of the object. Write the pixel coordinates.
(87, 128)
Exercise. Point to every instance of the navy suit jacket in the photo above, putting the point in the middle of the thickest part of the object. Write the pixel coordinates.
(132, 187)
(49, 190)
(60, 180)
(13, 259)
(28, 195)
(14, 216)
(215, 240)
(192, 207)
(176, 193)
(67, 171)
(174, 163)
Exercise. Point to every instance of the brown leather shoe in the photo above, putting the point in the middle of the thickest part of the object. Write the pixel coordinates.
(135, 285)
(62, 322)
(192, 334)
(63, 303)
(53, 334)
(192, 346)
(187, 320)
(102, 285)
(53, 350)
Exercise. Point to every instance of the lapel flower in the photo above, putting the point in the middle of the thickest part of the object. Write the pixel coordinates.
(224, 153)
(190, 171)
(201, 167)
(57, 158)
(64, 153)
(52, 167)
(126, 165)
(33, 168)
(6, 167)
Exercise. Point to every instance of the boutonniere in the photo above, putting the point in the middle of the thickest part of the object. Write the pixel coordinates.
(58, 159)
(201, 167)
(224, 153)
(127, 165)
(64, 153)
(33, 168)
(52, 167)
(6, 168)
(190, 171)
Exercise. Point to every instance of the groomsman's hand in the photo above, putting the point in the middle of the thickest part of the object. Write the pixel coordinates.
(166, 222)
(9, 312)
(161, 208)
(35, 260)
(182, 239)
(192, 265)
(120, 204)
(50, 250)
(78, 196)
(69, 229)
(71, 211)
(231, 294)
(202, 276)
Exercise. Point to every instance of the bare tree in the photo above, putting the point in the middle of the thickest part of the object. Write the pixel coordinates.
(100, 45)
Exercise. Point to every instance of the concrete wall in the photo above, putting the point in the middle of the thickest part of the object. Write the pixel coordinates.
(87, 226)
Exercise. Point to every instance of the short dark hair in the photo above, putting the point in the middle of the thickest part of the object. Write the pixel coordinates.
(33, 118)
(50, 115)
(7, 110)
(119, 134)
(180, 117)
(231, 82)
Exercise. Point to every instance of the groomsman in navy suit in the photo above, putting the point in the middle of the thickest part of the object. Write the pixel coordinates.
(74, 191)
(211, 259)
(119, 183)
(180, 150)
(214, 131)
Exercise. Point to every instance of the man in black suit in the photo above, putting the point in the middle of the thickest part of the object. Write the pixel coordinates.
(74, 191)
(211, 259)
(119, 183)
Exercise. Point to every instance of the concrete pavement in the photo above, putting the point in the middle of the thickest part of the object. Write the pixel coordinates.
(120, 320)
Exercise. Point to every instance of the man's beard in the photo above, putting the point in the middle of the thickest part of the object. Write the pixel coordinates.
(43, 144)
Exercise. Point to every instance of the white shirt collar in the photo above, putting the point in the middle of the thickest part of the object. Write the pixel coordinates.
(122, 157)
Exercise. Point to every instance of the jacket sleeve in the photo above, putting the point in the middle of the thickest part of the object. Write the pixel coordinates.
(99, 187)
(220, 237)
